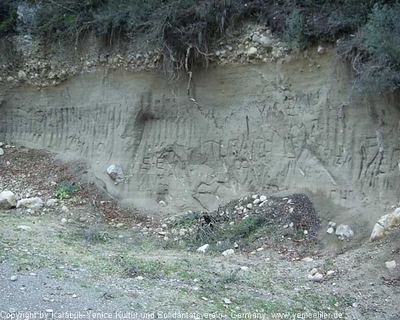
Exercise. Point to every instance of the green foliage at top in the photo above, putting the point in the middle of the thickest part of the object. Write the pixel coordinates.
(293, 34)
(374, 52)
(8, 16)
(177, 25)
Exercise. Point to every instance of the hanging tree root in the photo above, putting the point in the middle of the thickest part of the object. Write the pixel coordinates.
(190, 72)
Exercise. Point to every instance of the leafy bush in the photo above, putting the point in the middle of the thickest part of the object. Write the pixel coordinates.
(246, 227)
(186, 220)
(8, 16)
(375, 52)
(65, 189)
(293, 34)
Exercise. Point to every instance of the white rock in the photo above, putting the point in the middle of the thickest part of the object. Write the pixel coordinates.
(344, 231)
(30, 203)
(330, 230)
(26, 228)
(313, 271)
(14, 278)
(252, 53)
(255, 196)
(263, 198)
(260, 249)
(115, 172)
(316, 277)
(22, 75)
(307, 259)
(10, 79)
(378, 232)
(264, 40)
(332, 224)
(250, 206)
(396, 214)
(387, 221)
(321, 49)
(391, 265)
(162, 203)
(64, 209)
(227, 301)
(330, 272)
(263, 203)
(51, 202)
(228, 252)
(244, 268)
(256, 201)
(305, 232)
(63, 220)
(1, 151)
(7, 200)
(203, 248)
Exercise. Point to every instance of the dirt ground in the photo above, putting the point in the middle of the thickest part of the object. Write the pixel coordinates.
(85, 257)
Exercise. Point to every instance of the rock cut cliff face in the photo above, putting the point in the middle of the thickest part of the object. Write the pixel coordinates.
(271, 127)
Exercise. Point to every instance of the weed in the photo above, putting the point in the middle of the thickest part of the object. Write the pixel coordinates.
(65, 189)
(229, 278)
(247, 226)
(186, 220)
(93, 235)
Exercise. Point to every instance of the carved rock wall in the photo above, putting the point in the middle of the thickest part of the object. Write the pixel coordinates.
(270, 127)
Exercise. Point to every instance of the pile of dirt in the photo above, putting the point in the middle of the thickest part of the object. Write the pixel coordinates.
(288, 224)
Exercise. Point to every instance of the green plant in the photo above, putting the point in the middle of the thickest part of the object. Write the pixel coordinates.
(186, 220)
(8, 18)
(246, 227)
(374, 52)
(293, 34)
(65, 189)
(93, 235)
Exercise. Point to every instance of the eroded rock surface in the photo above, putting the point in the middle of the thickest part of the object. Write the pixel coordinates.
(272, 127)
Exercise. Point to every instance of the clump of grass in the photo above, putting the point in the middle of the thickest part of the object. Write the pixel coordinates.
(186, 220)
(248, 226)
(94, 235)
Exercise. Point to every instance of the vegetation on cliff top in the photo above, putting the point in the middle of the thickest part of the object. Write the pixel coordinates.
(368, 29)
